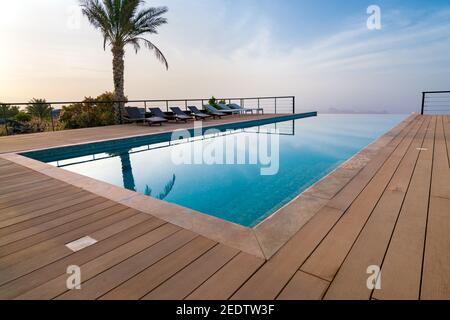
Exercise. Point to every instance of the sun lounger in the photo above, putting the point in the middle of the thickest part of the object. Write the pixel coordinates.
(216, 113)
(238, 107)
(157, 112)
(180, 115)
(134, 115)
(225, 108)
(198, 114)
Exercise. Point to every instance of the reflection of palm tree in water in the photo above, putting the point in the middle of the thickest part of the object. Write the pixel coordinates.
(127, 171)
(128, 177)
(167, 189)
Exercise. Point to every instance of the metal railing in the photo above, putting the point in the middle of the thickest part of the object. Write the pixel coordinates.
(269, 105)
(435, 102)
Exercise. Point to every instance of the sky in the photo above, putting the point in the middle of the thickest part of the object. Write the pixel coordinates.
(321, 51)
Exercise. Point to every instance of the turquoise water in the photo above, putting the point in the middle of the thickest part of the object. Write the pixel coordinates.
(309, 149)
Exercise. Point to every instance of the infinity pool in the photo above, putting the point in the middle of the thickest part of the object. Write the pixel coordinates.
(301, 152)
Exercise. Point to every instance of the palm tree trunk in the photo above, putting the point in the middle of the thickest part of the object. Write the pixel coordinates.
(118, 74)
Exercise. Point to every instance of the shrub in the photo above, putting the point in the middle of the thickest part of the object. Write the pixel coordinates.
(89, 113)
(222, 102)
(8, 111)
(212, 101)
(23, 117)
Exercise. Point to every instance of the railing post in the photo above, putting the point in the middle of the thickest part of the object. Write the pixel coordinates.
(167, 105)
(275, 105)
(423, 103)
(186, 104)
(293, 105)
(51, 116)
(4, 117)
(145, 107)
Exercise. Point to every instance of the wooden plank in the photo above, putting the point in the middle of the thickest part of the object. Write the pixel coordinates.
(33, 189)
(15, 211)
(57, 286)
(19, 245)
(187, 280)
(362, 179)
(446, 122)
(13, 172)
(435, 278)
(51, 209)
(327, 258)
(52, 270)
(304, 286)
(268, 282)
(31, 194)
(402, 267)
(440, 186)
(37, 256)
(31, 180)
(51, 220)
(227, 280)
(370, 247)
(271, 278)
(44, 194)
(110, 279)
(154, 275)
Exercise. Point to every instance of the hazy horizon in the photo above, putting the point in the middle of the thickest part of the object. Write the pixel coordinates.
(320, 51)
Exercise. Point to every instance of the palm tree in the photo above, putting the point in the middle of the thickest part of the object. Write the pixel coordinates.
(39, 108)
(123, 22)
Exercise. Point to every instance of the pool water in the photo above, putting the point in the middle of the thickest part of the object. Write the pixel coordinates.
(309, 149)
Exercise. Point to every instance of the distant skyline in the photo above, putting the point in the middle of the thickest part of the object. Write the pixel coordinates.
(320, 51)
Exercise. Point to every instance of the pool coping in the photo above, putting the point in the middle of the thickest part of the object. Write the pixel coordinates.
(263, 240)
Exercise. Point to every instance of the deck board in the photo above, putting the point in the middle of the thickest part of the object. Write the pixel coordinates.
(27, 283)
(270, 280)
(371, 244)
(328, 257)
(191, 277)
(394, 213)
(402, 266)
(435, 278)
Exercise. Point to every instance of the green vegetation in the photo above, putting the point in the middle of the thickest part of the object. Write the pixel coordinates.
(212, 101)
(7, 111)
(23, 117)
(89, 113)
(122, 23)
(40, 109)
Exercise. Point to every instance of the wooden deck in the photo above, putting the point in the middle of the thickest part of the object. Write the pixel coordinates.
(395, 213)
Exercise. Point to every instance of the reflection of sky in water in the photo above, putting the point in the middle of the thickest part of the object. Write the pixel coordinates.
(239, 193)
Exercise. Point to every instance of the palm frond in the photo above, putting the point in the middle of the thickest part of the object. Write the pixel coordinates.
(125, 22)
(158, 53)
